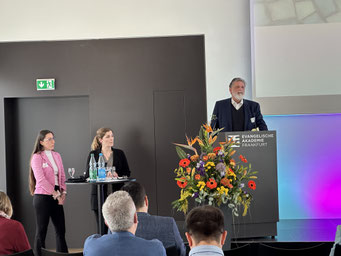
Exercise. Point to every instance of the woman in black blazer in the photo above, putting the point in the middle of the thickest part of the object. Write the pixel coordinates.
(103, 143)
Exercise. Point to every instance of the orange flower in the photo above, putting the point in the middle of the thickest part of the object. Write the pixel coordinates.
(208, 127)
(191, 141)
(205, 158)
(211, 156)
(184, 162)
(182, 183)
(211, 183)
(232, 162)
(252, 184)
(243, 159)
(188, 170)
(225, 182)
(194, 158)
(212, 140)
(200, 142)
(215, 150)
(197, 177)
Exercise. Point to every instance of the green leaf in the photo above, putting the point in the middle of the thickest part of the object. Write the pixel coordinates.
(181, 153)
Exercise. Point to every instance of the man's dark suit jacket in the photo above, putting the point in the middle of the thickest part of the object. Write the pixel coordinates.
(222, 116)
(161, 228)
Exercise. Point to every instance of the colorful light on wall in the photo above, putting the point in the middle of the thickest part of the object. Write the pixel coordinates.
(309, 165)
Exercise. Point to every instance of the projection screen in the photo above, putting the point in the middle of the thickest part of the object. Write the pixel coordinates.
(296, 55)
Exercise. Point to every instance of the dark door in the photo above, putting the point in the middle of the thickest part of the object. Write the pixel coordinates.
(68, 118)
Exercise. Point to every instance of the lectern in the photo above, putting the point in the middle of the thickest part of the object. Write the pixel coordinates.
(260, 150)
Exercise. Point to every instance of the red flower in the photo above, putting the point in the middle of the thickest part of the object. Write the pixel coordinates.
(205, 158)
(184, 162)
(197, 176)
(252, 184)
(182, 183)
(215, 150)
(211, 183)
(243, 159)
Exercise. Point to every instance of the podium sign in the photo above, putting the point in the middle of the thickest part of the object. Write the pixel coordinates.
(260, 150)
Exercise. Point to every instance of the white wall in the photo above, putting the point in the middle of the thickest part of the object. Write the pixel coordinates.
(225, 24)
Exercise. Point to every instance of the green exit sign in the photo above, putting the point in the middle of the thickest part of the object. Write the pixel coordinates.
(45, 84)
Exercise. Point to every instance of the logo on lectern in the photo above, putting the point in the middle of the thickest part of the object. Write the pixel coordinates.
(235, 139)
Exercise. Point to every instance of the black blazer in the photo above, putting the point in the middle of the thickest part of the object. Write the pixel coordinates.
(222, 116)
(120, 161)
(122, 169)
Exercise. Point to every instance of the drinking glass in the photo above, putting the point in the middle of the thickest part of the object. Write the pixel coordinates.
(114, 173)
(71, 172)
(108, 172)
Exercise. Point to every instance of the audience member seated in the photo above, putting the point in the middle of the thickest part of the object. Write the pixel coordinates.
(120, 216)
(13, 238)
(205, 231)
(151, 226)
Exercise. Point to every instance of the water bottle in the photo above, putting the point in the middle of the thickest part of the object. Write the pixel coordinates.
(101, 168)
(92, 168)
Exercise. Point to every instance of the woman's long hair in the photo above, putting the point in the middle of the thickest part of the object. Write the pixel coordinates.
(96, 144)
(36, 149)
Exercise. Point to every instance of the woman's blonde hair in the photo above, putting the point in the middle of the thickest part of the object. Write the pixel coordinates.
(96, 144)
(5, 204)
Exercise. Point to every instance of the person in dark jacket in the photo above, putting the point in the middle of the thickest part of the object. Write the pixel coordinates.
(237, 113)
(150, 226)
(103, 143)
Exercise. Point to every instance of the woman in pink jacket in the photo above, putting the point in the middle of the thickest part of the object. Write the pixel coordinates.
(47, 185)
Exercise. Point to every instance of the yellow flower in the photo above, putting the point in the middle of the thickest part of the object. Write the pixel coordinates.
(231, 173)
(222, 190)
(201, 185)
(209, 165)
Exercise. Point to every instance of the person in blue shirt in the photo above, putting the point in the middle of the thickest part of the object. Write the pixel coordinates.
(119, 213)
(205, 231)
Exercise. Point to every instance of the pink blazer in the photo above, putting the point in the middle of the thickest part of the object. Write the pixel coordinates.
(44, 174)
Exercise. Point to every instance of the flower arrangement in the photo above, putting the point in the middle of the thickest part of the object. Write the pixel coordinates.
(213, 176)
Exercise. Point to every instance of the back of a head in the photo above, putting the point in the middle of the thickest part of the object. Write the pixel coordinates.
(118, 211)
(205, 223)
(137, 193)
(5, 204)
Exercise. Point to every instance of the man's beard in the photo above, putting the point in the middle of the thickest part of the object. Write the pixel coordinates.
(238, 96)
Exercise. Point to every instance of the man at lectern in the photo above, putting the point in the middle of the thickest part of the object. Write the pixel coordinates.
(237, 113)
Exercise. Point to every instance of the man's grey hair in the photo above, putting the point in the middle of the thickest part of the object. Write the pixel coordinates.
(118, 211)
(237, 79)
